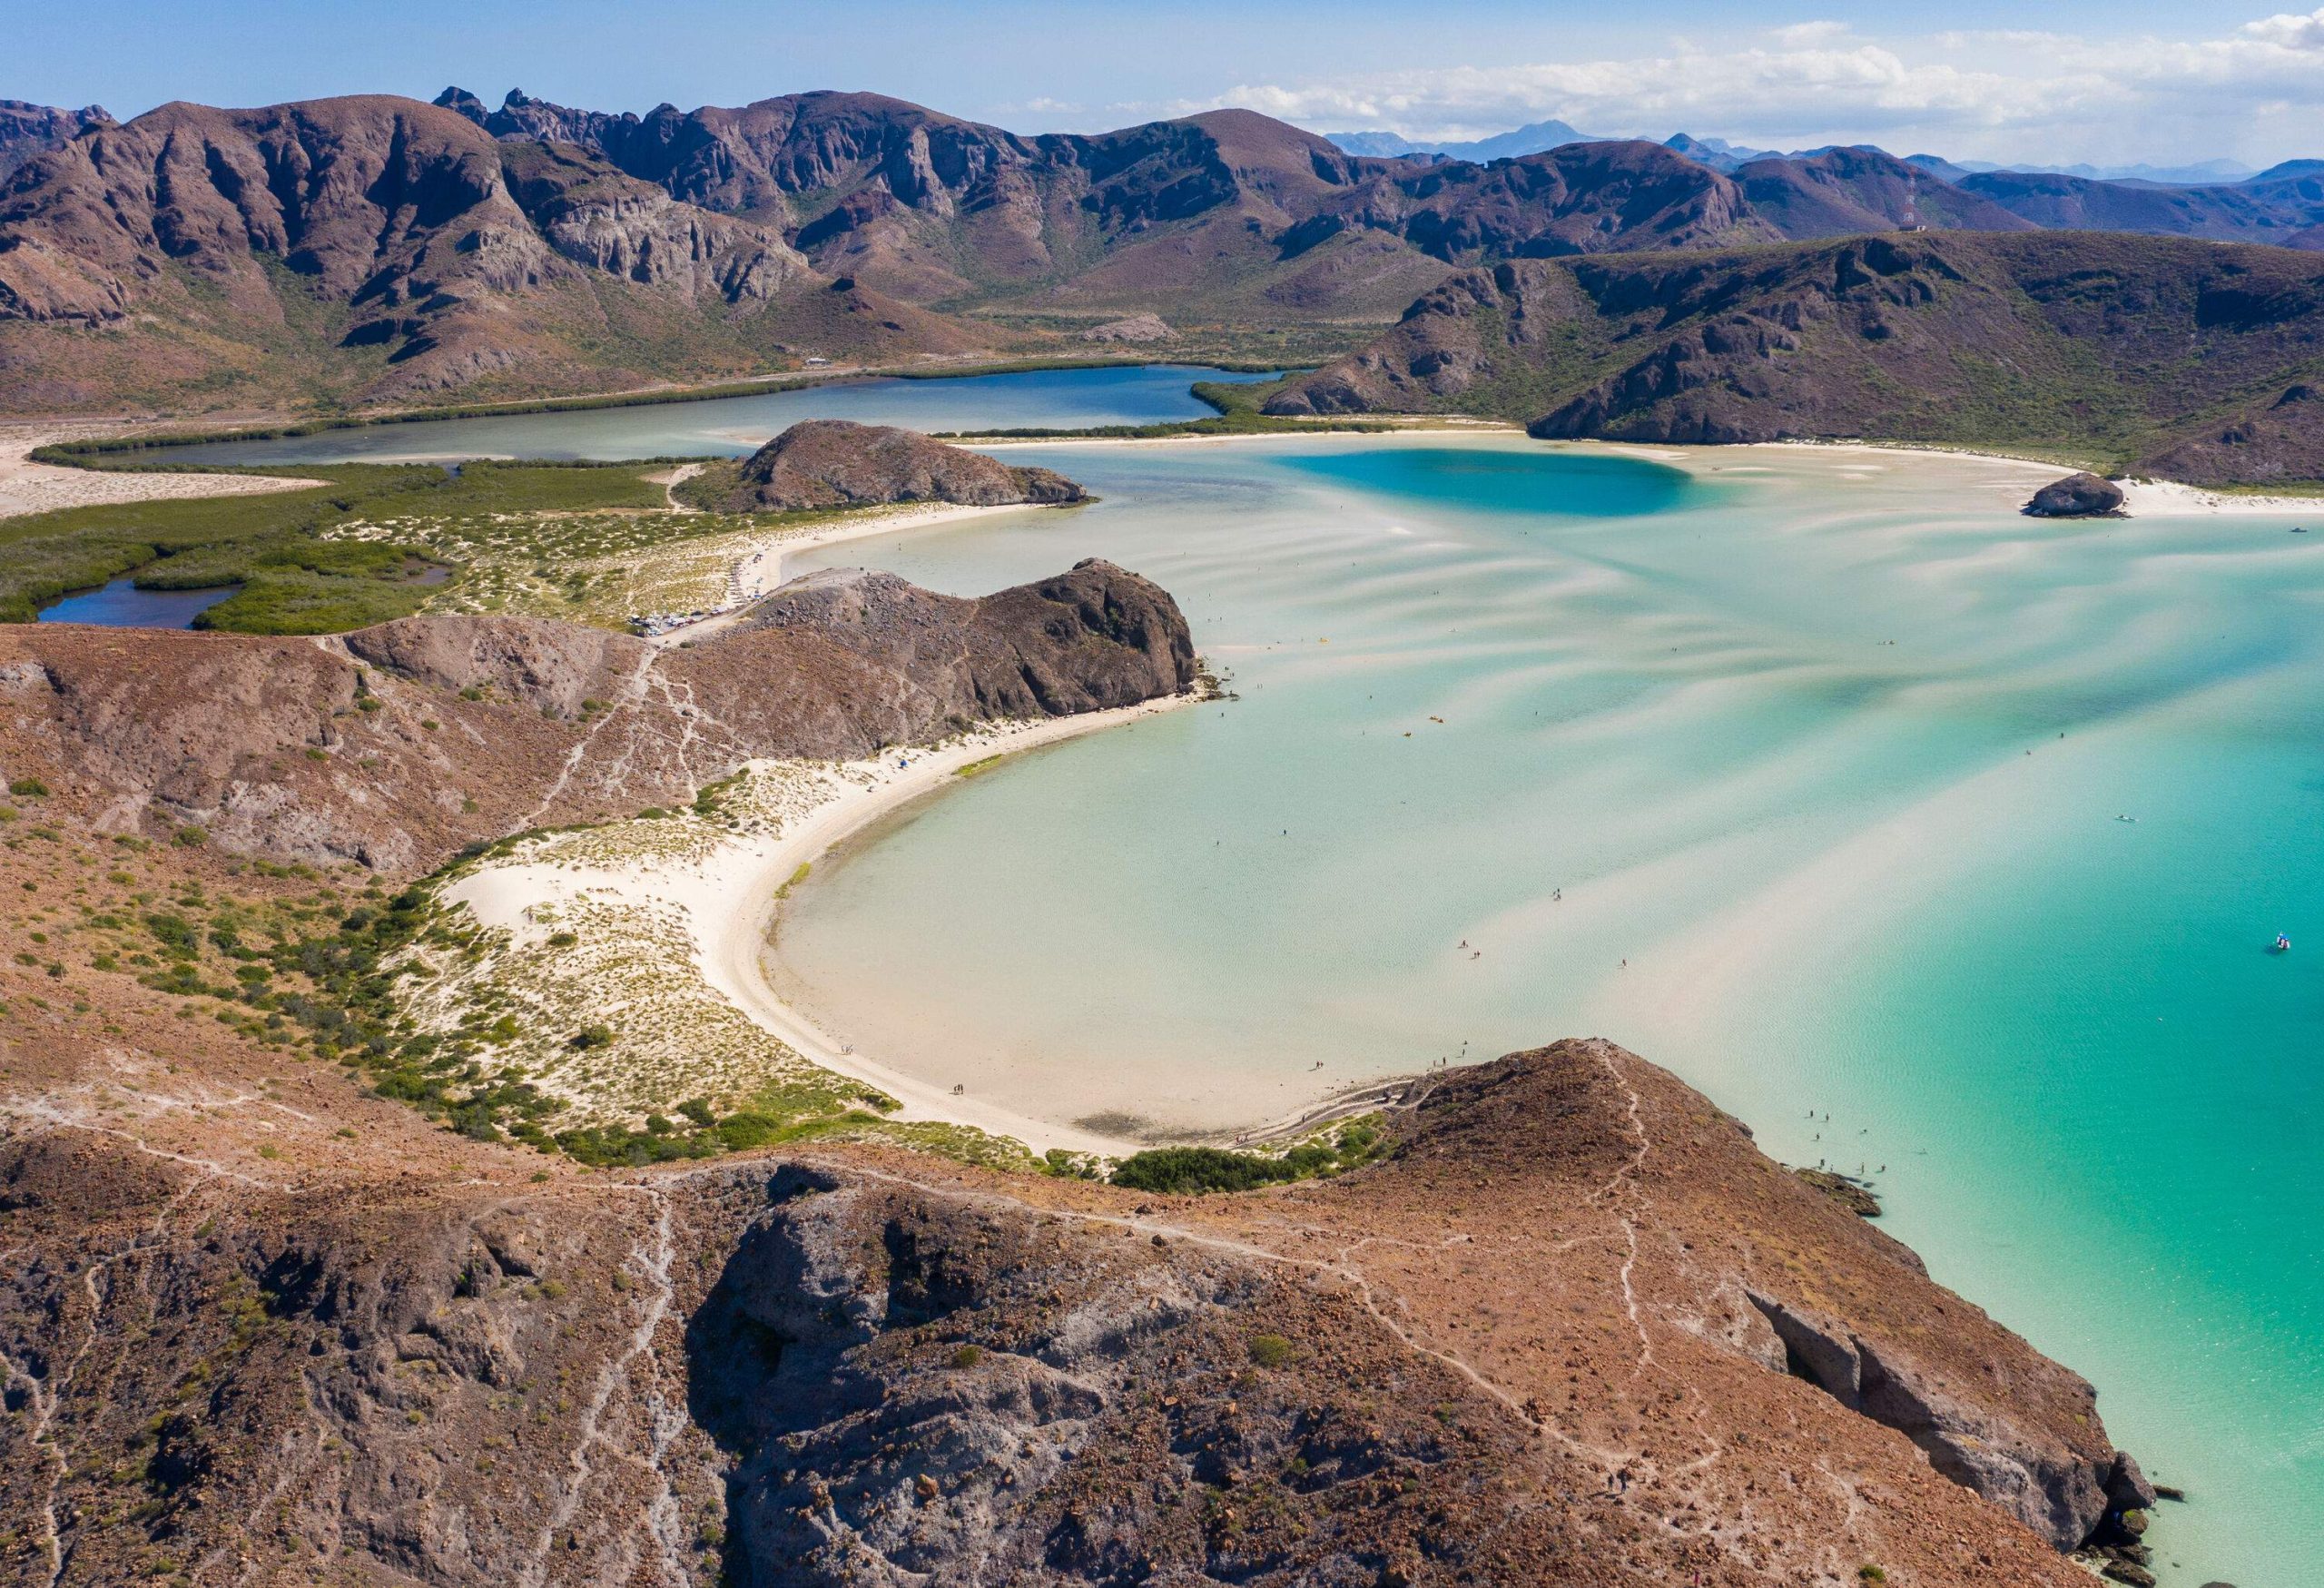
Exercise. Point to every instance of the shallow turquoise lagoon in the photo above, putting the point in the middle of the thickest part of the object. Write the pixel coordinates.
(732, 426)
(1820, 777)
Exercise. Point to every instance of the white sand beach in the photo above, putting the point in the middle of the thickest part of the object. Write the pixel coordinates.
(727, 898)
(27, 487)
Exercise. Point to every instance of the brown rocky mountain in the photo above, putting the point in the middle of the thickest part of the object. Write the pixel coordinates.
(835, 463)
(1848, 191)
(2078, 341)
(377, 248)
(1225, 215)
(2281, 210)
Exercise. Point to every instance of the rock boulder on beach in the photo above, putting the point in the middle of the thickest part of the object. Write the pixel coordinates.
(2077, 495)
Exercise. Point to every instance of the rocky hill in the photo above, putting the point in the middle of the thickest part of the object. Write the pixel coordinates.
(2278, 210)
(835, 463)
(2080, 343)
(394, 746)
(378, 249)
(373, 248)
(1848, 191)
(1573, 1330)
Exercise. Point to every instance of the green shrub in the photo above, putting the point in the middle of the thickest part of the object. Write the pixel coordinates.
(1271, 1351)
(28, 788)
(968, 1356)
(1176, 1170)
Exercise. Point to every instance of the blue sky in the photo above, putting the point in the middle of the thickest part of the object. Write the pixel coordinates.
(2108, 82)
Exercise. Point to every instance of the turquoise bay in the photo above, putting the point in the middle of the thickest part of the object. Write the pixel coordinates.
(1821, 777)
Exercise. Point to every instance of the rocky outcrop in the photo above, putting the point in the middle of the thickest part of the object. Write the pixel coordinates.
(1136, 330)
(834, 463)
(1521, 1349)
(2077, 495)
(595, 216)
(2061, 1488)
(552, 667)
(27, 129)
(395, 747)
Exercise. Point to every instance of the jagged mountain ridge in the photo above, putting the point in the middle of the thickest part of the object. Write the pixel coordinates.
(376, 249)
(28, 129)
(2080, 342)
(211, 244)
(2286, 210)
(1199, 212)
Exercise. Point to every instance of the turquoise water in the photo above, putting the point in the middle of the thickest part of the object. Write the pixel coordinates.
(1798, 772)
(122, 605)
(732, 426)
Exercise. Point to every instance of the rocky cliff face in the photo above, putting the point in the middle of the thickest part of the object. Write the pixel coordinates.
(391, 247)
(932, 207)
(1561, 1336)
(595, 216)
(474, 725)
(835, 463)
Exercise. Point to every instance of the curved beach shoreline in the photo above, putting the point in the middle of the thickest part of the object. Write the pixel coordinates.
(728, 897)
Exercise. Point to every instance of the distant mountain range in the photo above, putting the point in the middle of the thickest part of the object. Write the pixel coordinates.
(377, 249)
(1531, 139)
(1721, 155)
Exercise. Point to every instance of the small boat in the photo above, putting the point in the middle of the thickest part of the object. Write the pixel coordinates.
(2283, 944)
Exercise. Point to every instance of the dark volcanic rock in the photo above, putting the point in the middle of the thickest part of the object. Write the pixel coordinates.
(833, 463)
(2077, 495)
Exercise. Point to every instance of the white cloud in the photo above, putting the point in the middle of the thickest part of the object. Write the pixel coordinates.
(1809, 32)
(2255, 91)
(2289, 32)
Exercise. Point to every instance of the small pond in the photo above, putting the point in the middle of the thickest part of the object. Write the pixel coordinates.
(122, 605)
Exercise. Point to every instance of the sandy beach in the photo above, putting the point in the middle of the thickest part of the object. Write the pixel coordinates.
(26, 487)
(727, 899)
